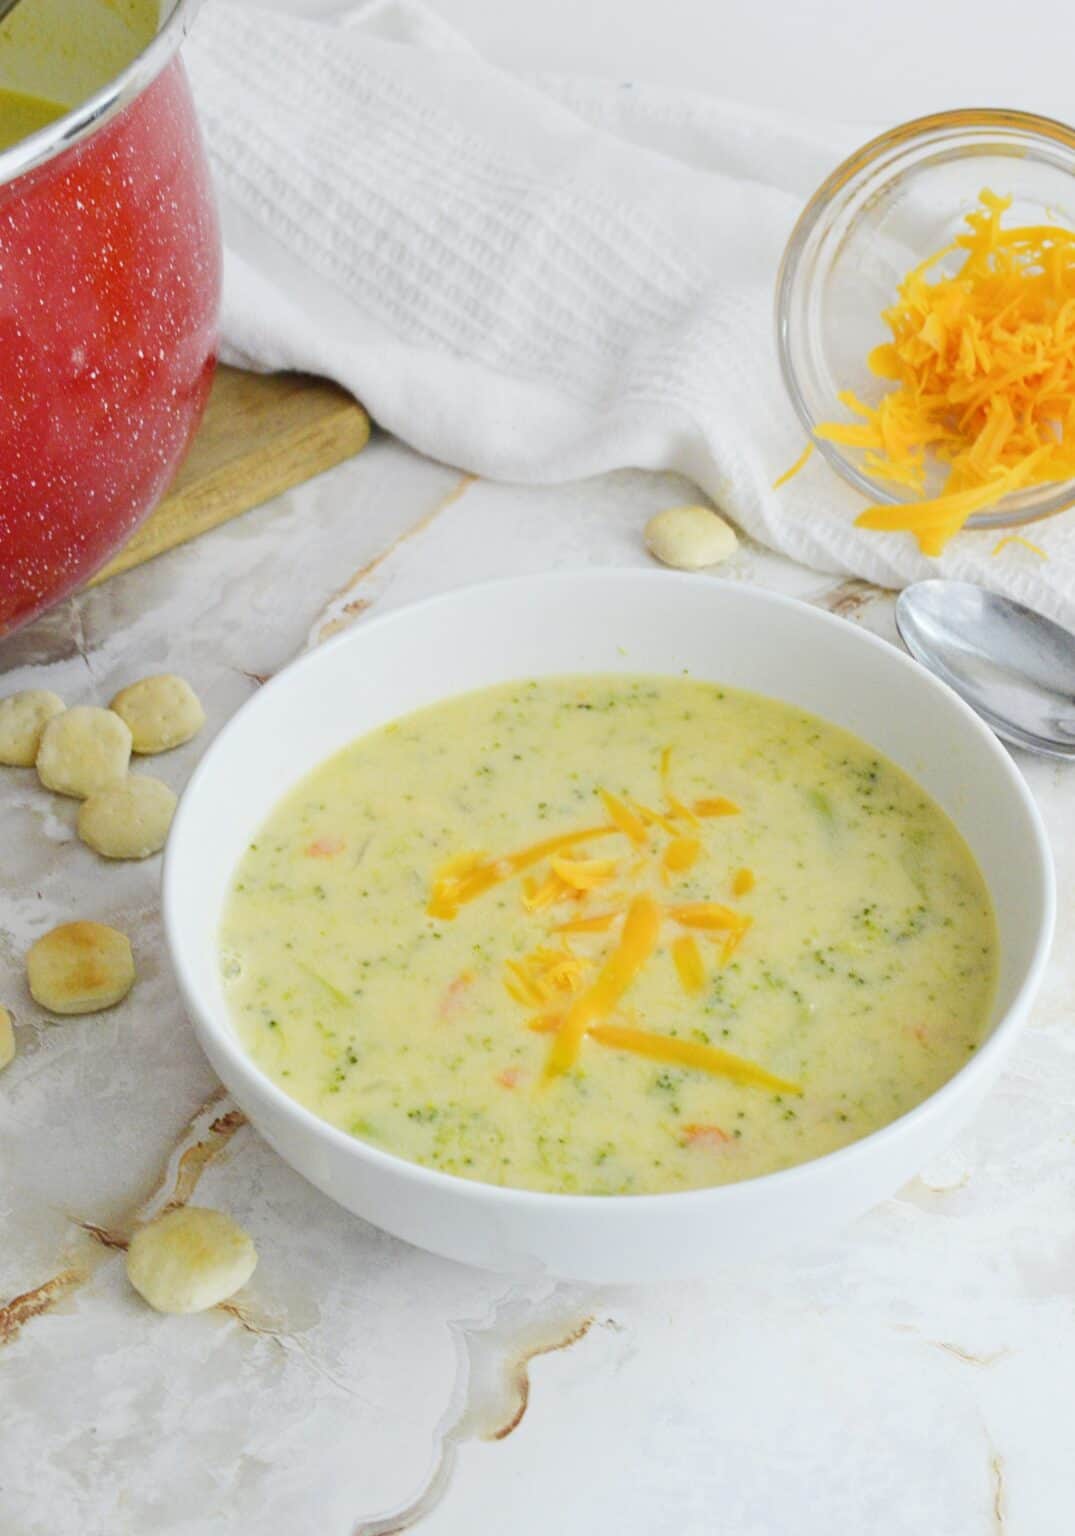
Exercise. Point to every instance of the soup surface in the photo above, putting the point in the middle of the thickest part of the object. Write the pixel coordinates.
(56, 53)
(609, 935)
(21, 115)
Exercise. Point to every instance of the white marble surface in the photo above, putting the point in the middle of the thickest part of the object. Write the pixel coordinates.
(911, 1378)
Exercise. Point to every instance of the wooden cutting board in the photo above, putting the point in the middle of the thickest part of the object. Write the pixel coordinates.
(261, 434)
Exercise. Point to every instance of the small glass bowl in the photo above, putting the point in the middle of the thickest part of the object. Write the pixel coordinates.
(891, 204)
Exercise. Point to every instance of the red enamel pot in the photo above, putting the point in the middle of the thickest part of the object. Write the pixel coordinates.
(109, 294)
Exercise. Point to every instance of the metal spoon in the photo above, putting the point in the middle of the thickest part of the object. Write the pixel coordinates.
(1012, 666)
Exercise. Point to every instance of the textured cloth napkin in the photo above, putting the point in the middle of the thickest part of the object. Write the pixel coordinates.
(538, 279)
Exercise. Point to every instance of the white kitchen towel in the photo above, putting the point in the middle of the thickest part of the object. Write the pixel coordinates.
(538, 279)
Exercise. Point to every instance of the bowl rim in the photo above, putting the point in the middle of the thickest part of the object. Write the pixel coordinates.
(205, 1020)
(1055, 497)
(83, 120)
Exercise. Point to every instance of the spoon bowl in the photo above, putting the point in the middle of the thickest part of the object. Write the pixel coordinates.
(1015, 668)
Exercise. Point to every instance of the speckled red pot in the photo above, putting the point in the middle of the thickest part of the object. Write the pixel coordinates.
(109, 292)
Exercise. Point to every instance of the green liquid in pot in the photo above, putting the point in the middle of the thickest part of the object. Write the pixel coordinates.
(55, 54)
(21, 115)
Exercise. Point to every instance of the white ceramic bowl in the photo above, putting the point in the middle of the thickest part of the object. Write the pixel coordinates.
(604, 621)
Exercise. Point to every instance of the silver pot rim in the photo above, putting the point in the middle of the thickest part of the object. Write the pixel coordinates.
(83, 121)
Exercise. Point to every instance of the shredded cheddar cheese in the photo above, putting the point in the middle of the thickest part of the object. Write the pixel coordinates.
(555, 977)
(688, 1053)
(539, 894)
(519, 985)
(637, 942)
(600, 922)
(681, 854)
(623, 817)
(983, 368)
(734, 939)
(458, 866)
(687, 958)
(716, 805)
(707, 915)
(540, 975)
(676, 808)
(546, 1023)
(583, 874)
(800, 463)
(654, 818)
(678, 1053)
(1015, 538)
(454, 886)
(679, 810)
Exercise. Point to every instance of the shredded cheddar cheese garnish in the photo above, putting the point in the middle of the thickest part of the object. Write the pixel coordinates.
(601, 922)
(707, 915)
(452, 889)
(734, 939)
(654, 818)
(583, 874)
(519, 985)
(459, 865)
(623, 817)
(570, 994)
(983, 364)
(539, 894)
(546, 1023)
(637, 942)
(678, 809)
(679, 1053)
(539, 976)
(675, 806)
(1015, 538)
(687, 958)
(681, 854)
(688, 1053)
(800, 463)
(716, 805)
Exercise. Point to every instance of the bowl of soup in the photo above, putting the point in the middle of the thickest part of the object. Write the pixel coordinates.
(617, 925)
(109, 284)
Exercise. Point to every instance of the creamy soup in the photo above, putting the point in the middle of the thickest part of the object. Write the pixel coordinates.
(609, 935)
(21, 115)
(56, 53)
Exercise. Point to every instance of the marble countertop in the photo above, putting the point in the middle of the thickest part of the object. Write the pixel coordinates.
(911, 1377)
